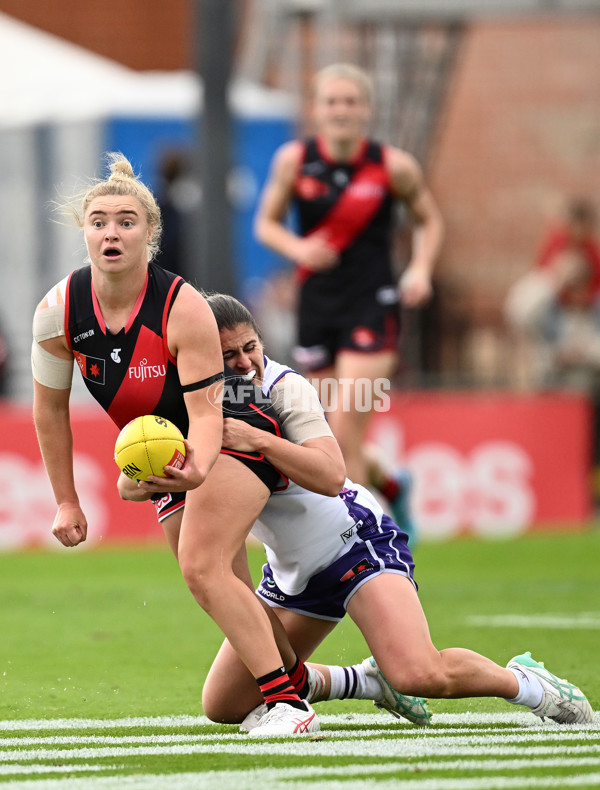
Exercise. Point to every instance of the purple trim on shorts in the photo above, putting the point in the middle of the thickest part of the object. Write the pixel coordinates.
(381, 549)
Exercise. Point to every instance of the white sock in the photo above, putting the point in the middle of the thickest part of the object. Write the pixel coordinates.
(530, 689)
(353, 683)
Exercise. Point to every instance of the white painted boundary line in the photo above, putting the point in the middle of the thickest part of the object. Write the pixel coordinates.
(275, 779)
(469, 741)
(461, 735)
(517, 718)
(542, 620)
(86, 724)
(40, 768)
(301, 747)
(350, 770)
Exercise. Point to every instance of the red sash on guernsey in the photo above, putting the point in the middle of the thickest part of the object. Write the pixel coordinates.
(354, 210)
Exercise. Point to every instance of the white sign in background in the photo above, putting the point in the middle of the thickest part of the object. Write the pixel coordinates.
(487, 490)
(27, 507)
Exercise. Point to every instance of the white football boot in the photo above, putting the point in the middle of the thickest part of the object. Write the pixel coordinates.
(252, 719)
(284, 720)
(316, 682)
(414, 709)
(561, 701)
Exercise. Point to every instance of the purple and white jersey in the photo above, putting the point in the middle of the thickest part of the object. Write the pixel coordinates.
(274, 372)
(304, 532)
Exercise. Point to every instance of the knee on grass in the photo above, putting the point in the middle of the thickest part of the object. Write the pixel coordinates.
(221, 710)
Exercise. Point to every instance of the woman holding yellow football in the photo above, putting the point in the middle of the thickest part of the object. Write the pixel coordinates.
(146, 342)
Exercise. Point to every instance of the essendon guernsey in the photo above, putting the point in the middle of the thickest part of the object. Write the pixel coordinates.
(350, 205)
(131, 372)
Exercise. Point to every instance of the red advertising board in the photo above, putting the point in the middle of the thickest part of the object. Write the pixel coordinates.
(28, 507)
(487, 464)
(491, 463)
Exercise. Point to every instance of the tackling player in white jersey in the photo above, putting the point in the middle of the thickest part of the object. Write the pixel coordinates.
(328, 555)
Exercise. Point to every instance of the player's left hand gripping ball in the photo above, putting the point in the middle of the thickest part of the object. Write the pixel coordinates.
(146, 445)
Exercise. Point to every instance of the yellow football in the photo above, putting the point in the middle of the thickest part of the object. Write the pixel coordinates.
(146, 445)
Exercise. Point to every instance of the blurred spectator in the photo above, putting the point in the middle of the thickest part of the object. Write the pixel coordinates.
(576, 237)
(554, 310)
(555, 307)
(3, 365)
(179, 197)
(275, 309)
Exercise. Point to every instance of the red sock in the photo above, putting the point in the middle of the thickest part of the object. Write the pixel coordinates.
(276, 687)
(299, 678)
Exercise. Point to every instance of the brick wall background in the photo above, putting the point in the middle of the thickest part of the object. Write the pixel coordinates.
(518, 134)
(141, 34)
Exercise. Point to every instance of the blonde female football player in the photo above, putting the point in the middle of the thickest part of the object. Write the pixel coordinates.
(146, 342)
(344, 188)
(330, 555)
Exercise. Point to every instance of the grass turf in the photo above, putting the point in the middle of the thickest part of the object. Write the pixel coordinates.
(109, 634)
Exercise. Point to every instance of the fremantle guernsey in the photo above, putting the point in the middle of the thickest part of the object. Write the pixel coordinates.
(304, 532)
(131, 372)
(351, 205)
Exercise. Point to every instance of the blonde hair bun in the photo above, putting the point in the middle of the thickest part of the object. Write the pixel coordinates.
(120, 167)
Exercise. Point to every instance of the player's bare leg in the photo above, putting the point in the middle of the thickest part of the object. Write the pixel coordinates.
(230, 692)
(400, 642)
(399, 639)
(359, 377)
(209, 541)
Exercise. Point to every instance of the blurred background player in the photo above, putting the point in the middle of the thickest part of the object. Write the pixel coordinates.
(344, 187)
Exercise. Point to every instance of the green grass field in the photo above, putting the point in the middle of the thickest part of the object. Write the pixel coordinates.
(103, 655)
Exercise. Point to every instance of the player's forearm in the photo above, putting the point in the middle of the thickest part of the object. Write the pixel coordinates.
(277, 237)
(205, 435)
(310, 467)
(129, 490)
(55, 439)
(427, 245)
